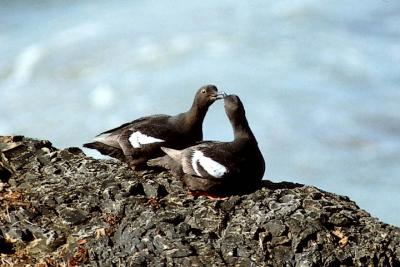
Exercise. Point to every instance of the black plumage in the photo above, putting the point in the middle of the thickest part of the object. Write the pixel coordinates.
(137, 141)
(219, 167)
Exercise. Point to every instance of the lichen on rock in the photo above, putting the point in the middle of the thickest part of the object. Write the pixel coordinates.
(62, 207)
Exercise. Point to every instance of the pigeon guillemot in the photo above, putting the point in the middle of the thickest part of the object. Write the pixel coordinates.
(137, 141)
(219, 167)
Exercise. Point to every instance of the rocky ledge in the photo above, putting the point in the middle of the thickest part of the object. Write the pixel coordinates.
(62, 208)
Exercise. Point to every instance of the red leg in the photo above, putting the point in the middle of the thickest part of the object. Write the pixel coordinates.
(210, 196)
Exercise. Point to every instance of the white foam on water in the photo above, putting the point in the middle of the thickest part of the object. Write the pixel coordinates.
(149, 52)
(217, 47)
(102, 96)
(181, 43)
(77, 34)
(25, 64)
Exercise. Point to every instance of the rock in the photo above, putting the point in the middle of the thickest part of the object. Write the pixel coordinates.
(6, 245)
(60, 207)
(154, 190)
(71, 216)
(5, 174)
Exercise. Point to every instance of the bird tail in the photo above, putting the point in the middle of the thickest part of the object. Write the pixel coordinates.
(171, 161)
(163, 162)
(175, 154)
(106, 150)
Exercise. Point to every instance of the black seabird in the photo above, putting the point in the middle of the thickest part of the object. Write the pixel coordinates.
(137, 141)
(219, 167)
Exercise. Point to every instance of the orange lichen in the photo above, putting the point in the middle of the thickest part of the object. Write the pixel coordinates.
(80, 257)
(111, 219)
(343, 239)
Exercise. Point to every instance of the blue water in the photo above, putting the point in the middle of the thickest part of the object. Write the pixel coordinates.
(320, 80)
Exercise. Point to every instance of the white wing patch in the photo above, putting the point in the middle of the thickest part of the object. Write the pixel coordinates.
(212, 167)
(137, 139)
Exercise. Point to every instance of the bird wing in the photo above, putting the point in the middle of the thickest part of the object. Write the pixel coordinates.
(142, 132)
(137, 122)
(207, 160)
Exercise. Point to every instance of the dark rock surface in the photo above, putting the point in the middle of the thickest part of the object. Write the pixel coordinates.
(61, 208)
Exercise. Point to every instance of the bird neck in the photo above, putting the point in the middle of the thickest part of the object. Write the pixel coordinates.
(194, 117)
(241, 129)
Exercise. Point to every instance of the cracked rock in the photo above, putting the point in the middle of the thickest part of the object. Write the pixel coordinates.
(60, 207)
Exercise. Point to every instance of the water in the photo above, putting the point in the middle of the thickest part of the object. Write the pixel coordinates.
(320, 80)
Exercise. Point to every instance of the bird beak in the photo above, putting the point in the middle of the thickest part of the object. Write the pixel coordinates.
(221, 95)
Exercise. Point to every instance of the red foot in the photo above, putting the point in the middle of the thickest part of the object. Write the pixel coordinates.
(208, 195)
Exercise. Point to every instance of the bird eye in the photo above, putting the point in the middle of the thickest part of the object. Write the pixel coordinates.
(203, 91)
